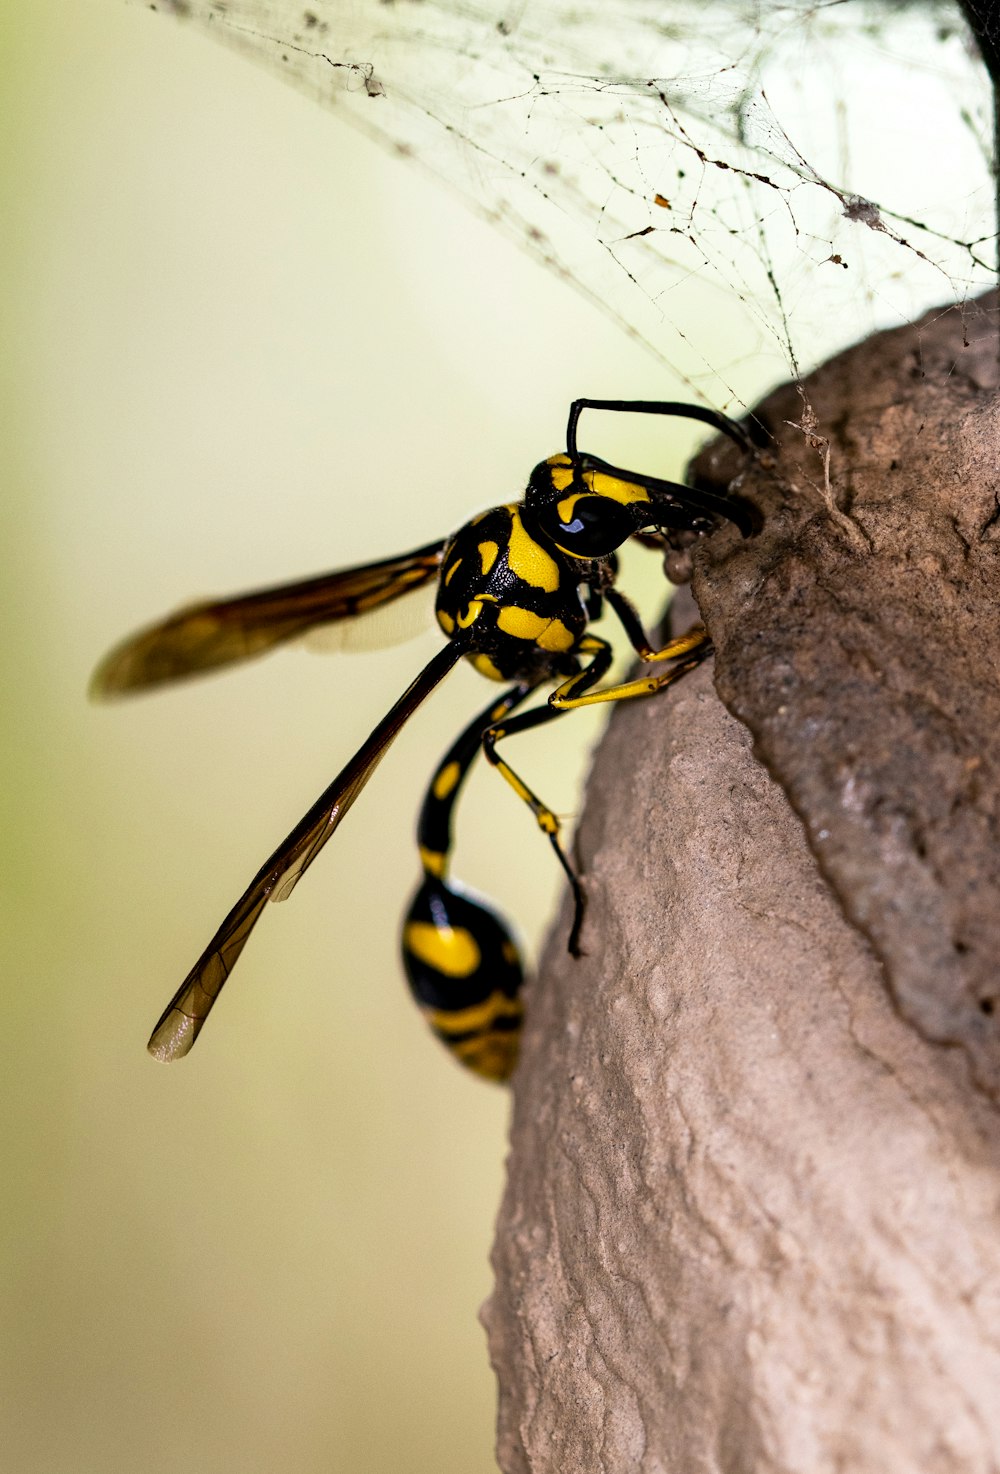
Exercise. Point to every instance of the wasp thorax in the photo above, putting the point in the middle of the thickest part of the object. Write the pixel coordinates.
(509, 597)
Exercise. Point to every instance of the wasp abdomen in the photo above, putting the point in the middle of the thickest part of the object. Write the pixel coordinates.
(465, 972)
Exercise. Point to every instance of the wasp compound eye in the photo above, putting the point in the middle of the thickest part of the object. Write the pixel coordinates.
(585, 507)
(588, 526)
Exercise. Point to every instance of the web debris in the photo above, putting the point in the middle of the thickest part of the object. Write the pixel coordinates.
(753, 187)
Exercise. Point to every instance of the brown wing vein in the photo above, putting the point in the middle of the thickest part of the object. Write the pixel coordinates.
(207, 635)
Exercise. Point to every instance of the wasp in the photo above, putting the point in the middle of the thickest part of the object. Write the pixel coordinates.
(517, 588)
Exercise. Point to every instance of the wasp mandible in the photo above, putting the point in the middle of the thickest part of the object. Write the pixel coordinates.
(518, 586)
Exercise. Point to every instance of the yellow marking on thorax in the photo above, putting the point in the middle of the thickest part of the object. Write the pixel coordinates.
(556, 637)
(453, 569)
(485, 666)
(451, 950)
(473, 610)
(527, 559)
(525, 624)
(446, 621)
(488, 552)
(446, 780)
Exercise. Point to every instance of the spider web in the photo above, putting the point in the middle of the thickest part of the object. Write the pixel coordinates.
(803, 172)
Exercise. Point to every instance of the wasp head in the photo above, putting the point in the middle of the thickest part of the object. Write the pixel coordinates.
(584, 506)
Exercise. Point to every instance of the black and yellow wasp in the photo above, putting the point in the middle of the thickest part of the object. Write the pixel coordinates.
(518, 587)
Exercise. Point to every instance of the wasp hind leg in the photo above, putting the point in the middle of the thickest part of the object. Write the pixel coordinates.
(462, 963)
(687, 653)
(548, 822)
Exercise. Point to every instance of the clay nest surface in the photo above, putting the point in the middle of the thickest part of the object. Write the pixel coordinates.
(752, 1208)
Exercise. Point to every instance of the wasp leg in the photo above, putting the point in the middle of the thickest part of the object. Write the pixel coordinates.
(689, 651)
(640, 641)
(461, 961)
(547, 821)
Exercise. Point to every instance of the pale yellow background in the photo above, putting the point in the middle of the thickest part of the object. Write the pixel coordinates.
(239, 345)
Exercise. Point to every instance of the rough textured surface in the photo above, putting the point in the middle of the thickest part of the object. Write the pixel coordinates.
(860, 646)
(752, 1221)
(751, 1218)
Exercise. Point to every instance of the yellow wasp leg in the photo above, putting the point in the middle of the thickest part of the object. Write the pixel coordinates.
(640, 641)
(546, 820)
(696, 639)
(689, 651)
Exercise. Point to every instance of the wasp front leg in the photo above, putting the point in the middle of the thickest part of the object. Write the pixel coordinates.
(687, 650)
(696, 638)
(461, 961)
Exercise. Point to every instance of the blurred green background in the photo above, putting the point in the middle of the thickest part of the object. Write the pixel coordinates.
(240, 346)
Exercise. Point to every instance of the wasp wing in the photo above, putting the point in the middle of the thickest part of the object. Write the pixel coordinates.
(391, 623)
(202, 637)
(184, 1015)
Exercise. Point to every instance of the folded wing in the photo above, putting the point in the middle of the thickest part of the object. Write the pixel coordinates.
(205, 636)
(184, 1015)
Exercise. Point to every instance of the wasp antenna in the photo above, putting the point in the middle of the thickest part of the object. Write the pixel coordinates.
(702, 413)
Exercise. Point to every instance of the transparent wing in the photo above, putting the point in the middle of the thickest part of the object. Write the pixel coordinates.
(392, 622)
(204, 636)
(677, 161)
(184, 1015)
